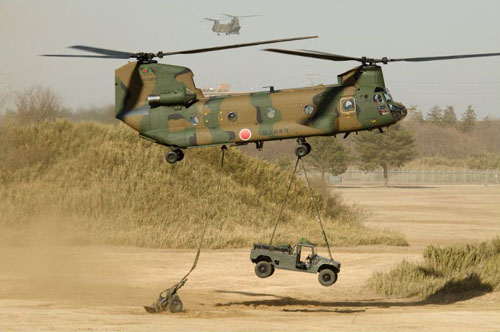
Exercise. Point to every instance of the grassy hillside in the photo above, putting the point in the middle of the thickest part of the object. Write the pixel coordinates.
(97, 183)
(453, 272)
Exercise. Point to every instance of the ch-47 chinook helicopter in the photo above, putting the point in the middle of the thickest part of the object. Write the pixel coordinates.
(231, 28)
(162, 103)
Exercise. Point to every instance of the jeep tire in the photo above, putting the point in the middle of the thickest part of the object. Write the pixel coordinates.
(264, 269)
(327, 277)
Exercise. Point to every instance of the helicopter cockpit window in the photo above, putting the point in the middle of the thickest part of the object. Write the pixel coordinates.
(348, 104)
(387, 95)
(232, 116)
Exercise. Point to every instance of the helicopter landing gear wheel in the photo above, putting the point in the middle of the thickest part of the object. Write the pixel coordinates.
(308, 146)
(174, 156)
(180, 154)
(303, 148)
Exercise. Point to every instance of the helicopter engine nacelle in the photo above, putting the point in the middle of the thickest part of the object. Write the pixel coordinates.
(181, 96)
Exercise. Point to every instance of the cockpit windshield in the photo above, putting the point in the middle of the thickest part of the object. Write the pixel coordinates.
(387, 95)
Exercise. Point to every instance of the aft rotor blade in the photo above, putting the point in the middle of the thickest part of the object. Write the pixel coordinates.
(314, 54)
(445, 57)
(218, 48)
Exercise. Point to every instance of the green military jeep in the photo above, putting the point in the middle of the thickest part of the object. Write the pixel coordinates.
(267, 258)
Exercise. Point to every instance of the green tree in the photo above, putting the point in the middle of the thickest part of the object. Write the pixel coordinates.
(394, 148)
(449, 117)
(469, 120)
(435, 115)
(328, 155)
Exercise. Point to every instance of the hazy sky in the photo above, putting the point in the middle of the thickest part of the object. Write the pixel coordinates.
(392, 28)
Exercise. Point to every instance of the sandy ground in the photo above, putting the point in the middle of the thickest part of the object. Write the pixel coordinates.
(432, 214)
(102, 288)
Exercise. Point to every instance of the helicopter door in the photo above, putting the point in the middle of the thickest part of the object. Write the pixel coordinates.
(348, 119)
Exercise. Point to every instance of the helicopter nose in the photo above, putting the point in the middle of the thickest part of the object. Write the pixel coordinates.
(398, 110)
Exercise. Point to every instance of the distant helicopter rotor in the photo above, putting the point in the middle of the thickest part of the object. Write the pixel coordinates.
(242, 16)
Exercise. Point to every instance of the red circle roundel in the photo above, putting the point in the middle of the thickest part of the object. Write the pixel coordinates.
(245, 134)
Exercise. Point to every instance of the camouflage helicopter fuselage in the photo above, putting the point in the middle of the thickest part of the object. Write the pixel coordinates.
(162, 103)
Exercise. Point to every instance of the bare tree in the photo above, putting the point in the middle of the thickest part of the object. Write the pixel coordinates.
(35, 104)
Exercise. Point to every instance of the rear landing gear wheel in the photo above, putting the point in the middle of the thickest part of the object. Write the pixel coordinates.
(171, 157)
(174, 156)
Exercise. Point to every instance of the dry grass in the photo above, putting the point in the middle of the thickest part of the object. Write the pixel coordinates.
(447, 147)
(448, 272)
(488, 161)
(94, 183)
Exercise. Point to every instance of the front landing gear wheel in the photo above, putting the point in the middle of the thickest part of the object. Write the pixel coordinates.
(264, 269)
(308, 146)
(327, 277)
(302, 150)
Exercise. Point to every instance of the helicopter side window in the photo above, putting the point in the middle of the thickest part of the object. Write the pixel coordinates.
(308, 109)
(270, 112)
(232, 116)
(194, 120)
(377, 98)
(348, 105)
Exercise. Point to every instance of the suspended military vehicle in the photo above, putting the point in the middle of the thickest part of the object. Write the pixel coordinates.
(163, 104)
(231, 28)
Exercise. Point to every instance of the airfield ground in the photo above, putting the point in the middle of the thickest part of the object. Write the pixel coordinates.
(88, 288)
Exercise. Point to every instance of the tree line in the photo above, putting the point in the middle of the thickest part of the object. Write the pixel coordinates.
(446, 117)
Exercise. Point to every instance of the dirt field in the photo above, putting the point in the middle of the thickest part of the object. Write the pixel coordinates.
(432, 214)
(102, 288)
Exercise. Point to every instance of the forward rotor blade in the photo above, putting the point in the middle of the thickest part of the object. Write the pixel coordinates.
(445, 57)
(113, 53)
(81, 56)
(218, 48)
(314, 54)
